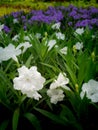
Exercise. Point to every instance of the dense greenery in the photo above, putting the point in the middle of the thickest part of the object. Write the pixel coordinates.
(49, 69)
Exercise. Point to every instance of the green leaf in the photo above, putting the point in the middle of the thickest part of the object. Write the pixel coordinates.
(15, 119)
(50, 66)
(72, 75)
(33, 119)
(51, 116)
(4, 125)
(66, 112)
(28, 61)
(67, 115)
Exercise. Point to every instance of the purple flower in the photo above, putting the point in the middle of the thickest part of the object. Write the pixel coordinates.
(77, 16)
(6, 29)
(25, 27)
(72, 13)
(94, 21)
(69, 23)
(94, 10)
(85, 16)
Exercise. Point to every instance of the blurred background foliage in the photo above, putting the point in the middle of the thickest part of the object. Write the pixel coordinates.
(8, 6)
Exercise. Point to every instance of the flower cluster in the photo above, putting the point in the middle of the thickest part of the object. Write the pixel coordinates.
(68, 16)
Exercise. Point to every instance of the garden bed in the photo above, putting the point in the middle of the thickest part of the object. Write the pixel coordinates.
(49, 69)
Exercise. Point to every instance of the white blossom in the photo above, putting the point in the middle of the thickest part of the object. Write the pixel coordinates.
(16, 38)
(61, 81)
(9, 52)
(60, 35)
(64, 50)
(29, 82)
(79, 31)
(51, 44)
(93, 36)
(27, 38)
(78, 45)
(1, 27)
(55, 92)
(24, 45)
(56, 26)
(91, 90)
(15, 21)
(38, 35)
(55, 95)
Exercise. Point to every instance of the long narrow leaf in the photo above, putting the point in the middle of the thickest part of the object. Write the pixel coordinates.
(4, 125)
(33, 119)
(51, 116)
(15, 119)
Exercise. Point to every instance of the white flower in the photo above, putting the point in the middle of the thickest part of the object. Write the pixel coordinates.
(91, 90)
(27, 38)
(60, 35)
(51, 43)
(78, 45)
(16, 38)
(25, 46)
(9, 52)
(29, 82)
(79, 31)
(38, 35)
(55, 95)
(56, 26)
(15, 21)
(61, 81)
(1, 27)
(93, 36)
(54, 92)
(64, 50)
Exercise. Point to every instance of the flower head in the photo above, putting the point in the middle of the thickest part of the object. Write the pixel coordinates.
(55, 95)
(56, 26)
(16, 38)
(79, 31)
(55, 92)
(78, 46)
(59, 35)
(61, 81)
(15, 21)
(38, 35)
(1, 27)
(25, 46)
(9, 52)
(29, 82)
(64, 50)
(91, 90)
(51, 43)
